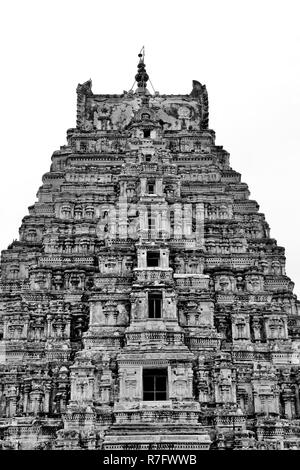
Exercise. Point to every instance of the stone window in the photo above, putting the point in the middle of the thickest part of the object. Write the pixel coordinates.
(151, 187)
(154, 304)
(151, 220)
(154, 384)
(146, 133)
(153, 258)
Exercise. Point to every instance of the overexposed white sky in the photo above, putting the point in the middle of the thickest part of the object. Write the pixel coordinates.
(247, 52)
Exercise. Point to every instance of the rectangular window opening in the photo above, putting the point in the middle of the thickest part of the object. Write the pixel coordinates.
(154, 384)
(154, 304)
(151, 187)
(153, 258)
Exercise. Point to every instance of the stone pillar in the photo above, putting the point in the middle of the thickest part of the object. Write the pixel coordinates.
(200, 224)
(35, 401)
(123, 207)
(11, 397)
(177, 221)
(46, 404)
(165, 226)
(26, 397)
(287, 397)
(25, 327)
(187, 221)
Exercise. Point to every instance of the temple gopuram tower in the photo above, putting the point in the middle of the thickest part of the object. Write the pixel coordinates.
(145, 305)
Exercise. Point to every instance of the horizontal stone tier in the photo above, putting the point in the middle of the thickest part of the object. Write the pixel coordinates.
(248, 298)
(13, 354)
(156, 416)
(153, 234)
(61, 260)
(42, 209)
(246, 206)
(103, 342)
(187, 281)
(271, 432)
(153, 276)
(84, 187)
(199, 159)
(279, 284)
(109, 282)
(31, 431)
(14, 287)
(231, 261)
(195, 343)
(71, 417)
(166, 439)
(231, 421)
(269, 356)
(149, 337)
(120, 242)
(181, 243)
(194, 188)
(99, 159)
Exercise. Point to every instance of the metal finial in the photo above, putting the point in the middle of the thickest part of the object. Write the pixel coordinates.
(142, 77)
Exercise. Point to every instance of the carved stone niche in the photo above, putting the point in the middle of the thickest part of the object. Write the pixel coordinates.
(266, 398)
(74, 279)
(111, 264)
(196, 313)
(225, 385)
(244, 397)
(15, 329)
(58, 280)
(60, 327)
(240, 327)
(181, 382)
(78, 211)
(264, 265)
(254, 282)
(130, 383)
(225, 283)
(30, 234)
(179, 264)
(82, 381)
(37, 328)
(13, 271)
(276, 267)
(139, 306)
(203, 385)
(40, 278)
(108, 313)
(65, 211)
(276, 327)
(256, 329)
(169, 305)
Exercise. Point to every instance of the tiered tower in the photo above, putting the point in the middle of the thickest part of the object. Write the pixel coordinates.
(145, 305)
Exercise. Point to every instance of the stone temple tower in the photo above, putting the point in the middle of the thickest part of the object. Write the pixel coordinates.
(145, 305)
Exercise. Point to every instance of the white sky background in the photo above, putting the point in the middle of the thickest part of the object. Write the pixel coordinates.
(246, 52)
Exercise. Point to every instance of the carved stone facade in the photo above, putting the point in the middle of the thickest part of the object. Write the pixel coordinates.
(145, 304)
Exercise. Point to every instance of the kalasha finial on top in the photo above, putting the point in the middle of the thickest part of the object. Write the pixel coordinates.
(142, 77)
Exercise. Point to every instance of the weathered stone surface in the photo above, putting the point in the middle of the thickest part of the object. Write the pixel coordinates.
(145, 304)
